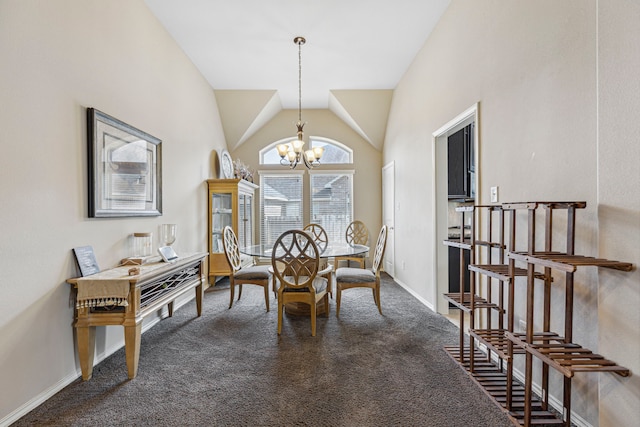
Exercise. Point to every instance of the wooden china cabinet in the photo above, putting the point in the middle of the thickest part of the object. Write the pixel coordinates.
(230, 202)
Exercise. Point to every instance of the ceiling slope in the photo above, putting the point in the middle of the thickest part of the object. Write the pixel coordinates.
(366, 111)
(244, 112)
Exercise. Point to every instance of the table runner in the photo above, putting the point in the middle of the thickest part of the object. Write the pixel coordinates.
(109, 287)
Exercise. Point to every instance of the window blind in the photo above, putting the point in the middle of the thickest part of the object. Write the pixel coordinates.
(281, 205)
(332, 202)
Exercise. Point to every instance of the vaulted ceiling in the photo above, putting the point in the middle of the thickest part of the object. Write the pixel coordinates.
(355, 54)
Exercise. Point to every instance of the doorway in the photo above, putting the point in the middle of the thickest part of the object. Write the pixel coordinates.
(388, 202)
(441, 200)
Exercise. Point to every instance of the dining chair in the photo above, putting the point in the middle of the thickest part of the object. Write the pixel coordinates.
(356, 234)
(349, 277)
(252, 275)
(321, 239)
(319, 235)
(295, 261)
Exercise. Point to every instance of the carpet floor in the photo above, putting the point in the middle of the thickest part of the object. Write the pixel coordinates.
(230, 368)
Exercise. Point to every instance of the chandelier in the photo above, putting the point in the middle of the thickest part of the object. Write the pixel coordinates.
(293, 155)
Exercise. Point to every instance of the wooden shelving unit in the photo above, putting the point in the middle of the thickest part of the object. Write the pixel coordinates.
(553, 350)
(491, 362)
(471, 302)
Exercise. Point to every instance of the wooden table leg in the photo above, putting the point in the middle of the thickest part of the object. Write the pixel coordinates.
(132, 348)
(86, 336)
(199, 294)
(170, 308)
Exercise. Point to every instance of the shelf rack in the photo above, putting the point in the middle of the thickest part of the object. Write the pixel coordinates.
(470, 302)
(490, 363)
(555, 351)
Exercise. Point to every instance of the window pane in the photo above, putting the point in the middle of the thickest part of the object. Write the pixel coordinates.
(271, 157)
(334, 152)
(331, 203)
(281, 205)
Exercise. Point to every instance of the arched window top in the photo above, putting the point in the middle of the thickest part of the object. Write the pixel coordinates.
(334, 151)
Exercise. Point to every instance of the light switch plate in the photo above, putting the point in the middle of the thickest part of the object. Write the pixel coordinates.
(494, 194)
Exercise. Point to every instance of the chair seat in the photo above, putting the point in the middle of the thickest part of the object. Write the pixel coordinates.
(253, 272)
(319, 283)
(355, 275)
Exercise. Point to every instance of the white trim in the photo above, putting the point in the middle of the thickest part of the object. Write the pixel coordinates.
(415, 295)
(469, 115)
(282, 172)
(332, 172)
(457, 121)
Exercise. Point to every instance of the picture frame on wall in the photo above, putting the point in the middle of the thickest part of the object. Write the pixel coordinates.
(125, 168)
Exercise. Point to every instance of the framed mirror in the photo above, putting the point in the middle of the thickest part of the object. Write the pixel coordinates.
(125, 168)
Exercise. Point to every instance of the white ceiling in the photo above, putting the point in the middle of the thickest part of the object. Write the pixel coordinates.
(351, 44)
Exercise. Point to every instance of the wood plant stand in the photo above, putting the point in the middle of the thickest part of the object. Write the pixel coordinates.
(489, 357)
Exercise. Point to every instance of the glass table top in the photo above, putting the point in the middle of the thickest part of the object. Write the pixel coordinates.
(339, 249)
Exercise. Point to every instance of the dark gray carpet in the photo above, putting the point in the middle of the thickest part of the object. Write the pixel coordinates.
(228, 368)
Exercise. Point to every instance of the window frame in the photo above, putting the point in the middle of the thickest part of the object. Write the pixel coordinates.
(338, 172)
(312, 141)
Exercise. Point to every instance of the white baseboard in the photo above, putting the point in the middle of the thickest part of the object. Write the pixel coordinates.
(64, 382)
(415, 295)
(555, 403)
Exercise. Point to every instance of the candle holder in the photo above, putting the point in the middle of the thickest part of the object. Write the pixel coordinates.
(168, 233)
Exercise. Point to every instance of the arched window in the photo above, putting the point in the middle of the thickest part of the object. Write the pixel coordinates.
(330, 192)
(334, 151)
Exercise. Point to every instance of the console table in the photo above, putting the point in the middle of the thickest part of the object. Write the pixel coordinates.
(113, 297)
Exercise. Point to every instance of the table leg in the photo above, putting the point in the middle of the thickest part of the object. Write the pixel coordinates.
(199, 293)
(86, 336)
(132, 348)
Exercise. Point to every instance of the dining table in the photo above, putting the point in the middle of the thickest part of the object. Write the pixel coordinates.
(327, 250)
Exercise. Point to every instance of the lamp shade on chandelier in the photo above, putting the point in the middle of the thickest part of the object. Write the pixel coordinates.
(293, 154)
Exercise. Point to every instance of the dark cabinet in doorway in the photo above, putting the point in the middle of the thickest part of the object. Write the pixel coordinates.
(461, 164)
(454, 270)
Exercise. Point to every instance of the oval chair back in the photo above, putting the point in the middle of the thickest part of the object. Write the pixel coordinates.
(356, 234)
(319, 235)
(295, 261)
(231, 250)
(381, 245)
(321, 239)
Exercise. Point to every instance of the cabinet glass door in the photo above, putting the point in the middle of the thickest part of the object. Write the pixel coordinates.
(245, 232)
(221, 216)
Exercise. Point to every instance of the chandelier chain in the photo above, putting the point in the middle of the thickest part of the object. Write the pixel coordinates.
(292, 154)
(300, 42)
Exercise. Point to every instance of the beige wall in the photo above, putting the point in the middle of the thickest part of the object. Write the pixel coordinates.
(367, 180)
(59, 57)
(619, 205)
(533, 68)
(559, 104)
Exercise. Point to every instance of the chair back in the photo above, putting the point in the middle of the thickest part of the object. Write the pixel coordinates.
(380, 247)
(357, 233)
(296, 260)
(318, 234)
(231, 250)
